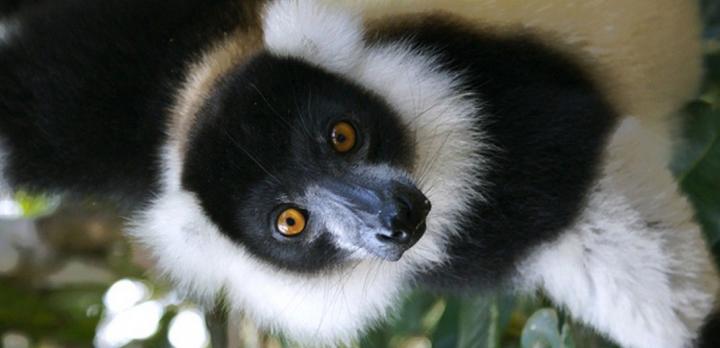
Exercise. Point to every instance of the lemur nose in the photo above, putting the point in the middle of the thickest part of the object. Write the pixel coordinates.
(404, 217)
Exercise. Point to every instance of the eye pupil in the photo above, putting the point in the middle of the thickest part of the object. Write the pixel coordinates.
(341, 138)
(290, 221)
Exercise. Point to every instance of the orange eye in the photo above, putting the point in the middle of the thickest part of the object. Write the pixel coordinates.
(291, 222)
(343, 137)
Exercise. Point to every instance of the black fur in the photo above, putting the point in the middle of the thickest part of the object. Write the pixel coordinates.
(9, 7)
(85, 88)
(548, 123)
(710, 333)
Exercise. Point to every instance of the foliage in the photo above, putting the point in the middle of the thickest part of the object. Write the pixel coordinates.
(63, 314)
(33, 206)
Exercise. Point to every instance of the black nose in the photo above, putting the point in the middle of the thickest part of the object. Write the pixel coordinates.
(404, 216)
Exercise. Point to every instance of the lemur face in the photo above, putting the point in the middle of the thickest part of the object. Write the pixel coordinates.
(303, 168)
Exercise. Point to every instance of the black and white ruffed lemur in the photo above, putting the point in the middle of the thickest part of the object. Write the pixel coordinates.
(312, 160)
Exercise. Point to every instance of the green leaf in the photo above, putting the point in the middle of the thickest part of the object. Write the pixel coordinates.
(413, 319)
(62, 314)
(697, 165)
(413, 312)
(712, 77)
(584, 337)
(566, 336)
(35, 205)
(445, 333)
(710, 10)
(541, 330)
(483, 320)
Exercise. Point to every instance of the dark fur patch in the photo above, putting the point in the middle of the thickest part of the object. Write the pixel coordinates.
(549, 124)
(9, 7)
(86, 87)
(710, 333)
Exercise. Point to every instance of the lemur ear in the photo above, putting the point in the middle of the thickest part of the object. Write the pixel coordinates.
(317, 33)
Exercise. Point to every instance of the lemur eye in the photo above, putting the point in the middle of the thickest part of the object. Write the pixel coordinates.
(291, 222)
(343, 137)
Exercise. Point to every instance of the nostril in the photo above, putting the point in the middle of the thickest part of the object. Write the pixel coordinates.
(401, 236)
(383, 238)
(395, 237)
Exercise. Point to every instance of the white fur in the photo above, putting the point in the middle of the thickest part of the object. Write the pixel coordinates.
(327, 38)
(335, 307)
(634, 265)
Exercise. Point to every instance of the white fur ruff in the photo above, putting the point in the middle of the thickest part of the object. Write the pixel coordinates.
(329, 308)
(634, 265)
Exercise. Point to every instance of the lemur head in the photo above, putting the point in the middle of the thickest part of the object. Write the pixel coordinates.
(303, 168)
(299, 178)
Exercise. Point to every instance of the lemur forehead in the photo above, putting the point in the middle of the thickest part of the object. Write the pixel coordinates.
(202, 77)
(319, 34)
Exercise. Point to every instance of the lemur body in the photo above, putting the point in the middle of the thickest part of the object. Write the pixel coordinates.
(216, 118)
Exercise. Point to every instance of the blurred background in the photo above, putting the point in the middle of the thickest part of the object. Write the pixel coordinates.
(68, 277)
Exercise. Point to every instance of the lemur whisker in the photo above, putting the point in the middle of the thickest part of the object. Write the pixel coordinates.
(429, 165)
(301, 117)
(303, 124)
(267, 102)
(418, 116)
(247, 153)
